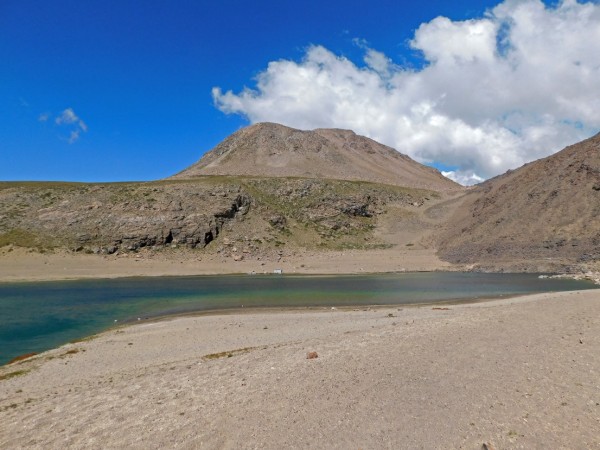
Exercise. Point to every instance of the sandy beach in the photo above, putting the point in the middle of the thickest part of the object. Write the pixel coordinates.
(513, 373)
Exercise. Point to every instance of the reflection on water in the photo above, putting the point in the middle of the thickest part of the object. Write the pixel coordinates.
(42, 315)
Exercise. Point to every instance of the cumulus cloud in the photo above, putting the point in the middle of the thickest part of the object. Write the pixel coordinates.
(69, 118)
(494, 92)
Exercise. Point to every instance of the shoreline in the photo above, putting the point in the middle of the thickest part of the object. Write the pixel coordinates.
(402, 377)
(277, 309)
(230, 274)
(17, 264)
(267, 310)
(22, 265)
(343, 308)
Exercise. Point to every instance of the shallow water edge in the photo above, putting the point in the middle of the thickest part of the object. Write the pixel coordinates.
(42, 315)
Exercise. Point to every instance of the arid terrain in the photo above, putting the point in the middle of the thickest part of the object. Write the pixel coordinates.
(518, 373)
(256, 216)
(273, 150)
(269, 195)
(545, 214)
(512, 373)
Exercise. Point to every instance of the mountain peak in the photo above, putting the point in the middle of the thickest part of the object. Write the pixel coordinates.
(272, 150)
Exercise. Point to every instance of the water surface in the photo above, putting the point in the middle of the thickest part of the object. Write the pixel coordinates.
(38, 316)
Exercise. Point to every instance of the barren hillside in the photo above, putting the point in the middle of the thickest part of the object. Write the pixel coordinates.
(258, 216)
(545, 214)
(272, 150)
(268, 189)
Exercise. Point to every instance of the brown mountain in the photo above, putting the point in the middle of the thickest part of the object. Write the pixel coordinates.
(272, 150)
(280, 190)
(265, 188)
(545, 214)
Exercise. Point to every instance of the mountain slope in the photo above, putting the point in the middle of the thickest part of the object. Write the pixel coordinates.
(276, 188)
(544, 214)
(272, 150)
(260, 217)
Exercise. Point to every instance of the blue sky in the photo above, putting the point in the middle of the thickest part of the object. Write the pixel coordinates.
(122, 90)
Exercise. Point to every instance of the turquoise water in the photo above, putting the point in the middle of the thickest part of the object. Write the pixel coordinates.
(38, 316)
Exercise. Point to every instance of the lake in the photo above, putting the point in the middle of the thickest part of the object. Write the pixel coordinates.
(42, 315)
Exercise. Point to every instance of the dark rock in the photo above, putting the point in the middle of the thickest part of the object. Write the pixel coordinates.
(278, 221)
(357, 210)
(241, 204)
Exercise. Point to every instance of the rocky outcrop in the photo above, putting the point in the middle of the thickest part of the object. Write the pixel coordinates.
(124, 217)
(191, 231)
(278, 221)
(128, 217)
(361, 210)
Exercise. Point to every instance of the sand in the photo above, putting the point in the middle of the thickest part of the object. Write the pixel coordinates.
(18, 264)
(515, 373)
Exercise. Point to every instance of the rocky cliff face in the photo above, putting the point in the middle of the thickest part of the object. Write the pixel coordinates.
(545, 214)
(108, 217)
(270, 212)
(272, 150)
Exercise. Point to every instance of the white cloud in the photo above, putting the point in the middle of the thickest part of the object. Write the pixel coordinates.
(73, 136)
(465, 178)
(43, 117)
(69, 118)
(495, 92)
